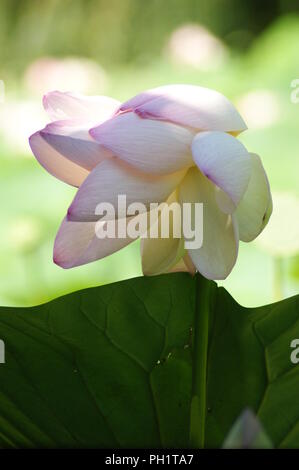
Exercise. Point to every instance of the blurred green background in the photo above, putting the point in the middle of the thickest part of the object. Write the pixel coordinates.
(246, 49)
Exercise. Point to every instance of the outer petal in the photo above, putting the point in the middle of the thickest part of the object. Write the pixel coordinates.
(55, 163)
(225, 161)
(188, 105)
(159, 255)
(112, 178)
(150, 146)
(255, 208)
(218, 254)
(61, 106)
(72, 140)
(69, 137)
(76, 244)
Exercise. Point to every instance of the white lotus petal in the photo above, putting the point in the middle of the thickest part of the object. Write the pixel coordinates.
(255, 208)
(148, 145)
(76, 244)
(184, 265)
(66, 105)
(160, 254)
(69, 136)
(55, 163)
(225, 161)
(112, 178)
(188, 105)
(218, 254)
(72, 140)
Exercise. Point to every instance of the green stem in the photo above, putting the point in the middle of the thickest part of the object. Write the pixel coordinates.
(199, 373)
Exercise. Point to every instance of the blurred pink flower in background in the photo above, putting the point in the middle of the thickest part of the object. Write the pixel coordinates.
(66, 74)
(260, 108)
(196, 46)
(25, 114)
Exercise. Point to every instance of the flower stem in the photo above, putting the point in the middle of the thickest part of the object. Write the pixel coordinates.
(199, 372)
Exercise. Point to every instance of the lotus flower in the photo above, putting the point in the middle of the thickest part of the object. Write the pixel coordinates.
(172, 143)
